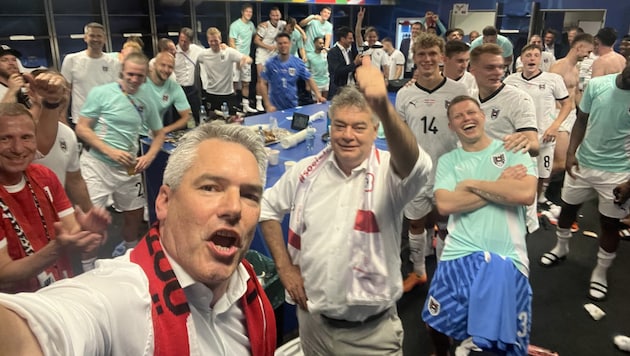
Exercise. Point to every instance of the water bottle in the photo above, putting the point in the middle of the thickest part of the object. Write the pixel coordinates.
(203, 115)
(225, 110)
(261, 133)
(310, 138)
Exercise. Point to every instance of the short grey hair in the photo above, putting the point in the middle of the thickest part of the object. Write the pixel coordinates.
(350, 96)
(92, 25)
(185, 153)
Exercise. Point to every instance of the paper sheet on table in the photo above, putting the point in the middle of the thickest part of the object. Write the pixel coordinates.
(293, 140)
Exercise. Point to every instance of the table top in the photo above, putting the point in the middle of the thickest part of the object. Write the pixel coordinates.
(299, 151)
(295, 153)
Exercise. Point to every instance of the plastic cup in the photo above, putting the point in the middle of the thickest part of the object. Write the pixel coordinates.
(274, 157)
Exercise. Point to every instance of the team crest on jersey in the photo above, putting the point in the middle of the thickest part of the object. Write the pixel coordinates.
(499, 159)
(63, 145)
(433, 306)
(165, 97)
(542, 86)
(292, 71)
(105, 69)
(447, 103)
(494, 114)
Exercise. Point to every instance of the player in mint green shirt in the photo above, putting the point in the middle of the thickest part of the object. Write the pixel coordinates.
(318, 26)
(485, 189)
(240, 38)
(602, 162)
(110, 123)
(297, 36)
(318, 66)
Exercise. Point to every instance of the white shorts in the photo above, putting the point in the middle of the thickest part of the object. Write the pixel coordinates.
(421, 205)
(567, 124)
(103, 180)
(262, 55)
(590, 183)
(545, 159)
(242, 74)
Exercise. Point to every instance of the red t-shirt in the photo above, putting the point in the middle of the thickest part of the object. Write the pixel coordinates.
(31, 221)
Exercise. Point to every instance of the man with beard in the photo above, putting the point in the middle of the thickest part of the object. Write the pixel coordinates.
(89, 68)
(167, 93)
(12, 83)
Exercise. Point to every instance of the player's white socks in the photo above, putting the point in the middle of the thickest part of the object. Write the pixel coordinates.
(604, 261)
(246, 107)
(562, 245)
(259, 103)
(541, 197)
(417, 243)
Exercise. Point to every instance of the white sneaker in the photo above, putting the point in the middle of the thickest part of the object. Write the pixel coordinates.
(622, 342)
(554, 209)
(247, 108)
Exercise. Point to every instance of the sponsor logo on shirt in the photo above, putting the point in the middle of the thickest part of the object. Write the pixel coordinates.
(165, 97)
(542, 86)
(105, 69)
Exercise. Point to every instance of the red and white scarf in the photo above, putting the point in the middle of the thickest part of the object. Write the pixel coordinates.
(170, 310)
(368, 276)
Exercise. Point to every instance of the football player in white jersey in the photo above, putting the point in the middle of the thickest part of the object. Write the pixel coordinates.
(545, 89)
(423, 107)
(456, 60)
(510, 112)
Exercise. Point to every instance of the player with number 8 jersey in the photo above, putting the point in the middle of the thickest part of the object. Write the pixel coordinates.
(423, 106)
